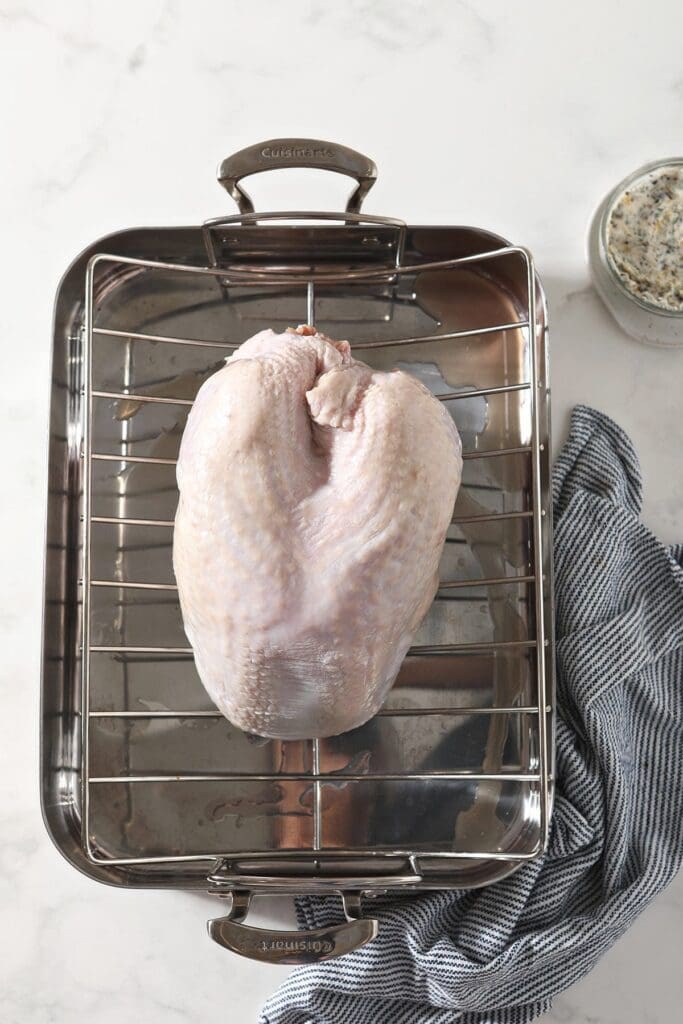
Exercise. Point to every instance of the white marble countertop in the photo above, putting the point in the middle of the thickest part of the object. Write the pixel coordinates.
(516, 117)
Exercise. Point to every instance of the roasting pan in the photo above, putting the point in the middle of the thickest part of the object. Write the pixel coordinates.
(144, 783)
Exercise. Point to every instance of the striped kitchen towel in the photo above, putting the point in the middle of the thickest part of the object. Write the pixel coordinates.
(498, 955)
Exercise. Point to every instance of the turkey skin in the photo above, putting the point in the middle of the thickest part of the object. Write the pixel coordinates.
(315, 496)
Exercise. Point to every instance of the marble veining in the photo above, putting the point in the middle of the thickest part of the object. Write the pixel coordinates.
(517, 117)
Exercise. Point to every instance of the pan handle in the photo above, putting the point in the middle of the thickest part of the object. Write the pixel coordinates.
(275, 154)
(296, 947)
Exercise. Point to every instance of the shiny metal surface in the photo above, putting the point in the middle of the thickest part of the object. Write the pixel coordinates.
(144, 782)
(296, 947)
(278, 153)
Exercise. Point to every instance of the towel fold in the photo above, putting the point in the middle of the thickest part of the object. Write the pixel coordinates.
(498, 955)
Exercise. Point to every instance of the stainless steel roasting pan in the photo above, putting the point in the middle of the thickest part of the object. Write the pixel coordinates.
(144, 783)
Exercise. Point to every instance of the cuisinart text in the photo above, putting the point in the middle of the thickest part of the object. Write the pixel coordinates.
(293, 945)
(295, 152)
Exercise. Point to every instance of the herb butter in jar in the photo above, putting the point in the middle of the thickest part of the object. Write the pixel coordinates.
(636, 253)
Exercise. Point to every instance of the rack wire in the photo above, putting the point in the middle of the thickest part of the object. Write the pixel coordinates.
(534, 580)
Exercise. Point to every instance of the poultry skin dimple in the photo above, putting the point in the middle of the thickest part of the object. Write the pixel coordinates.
(315, 496)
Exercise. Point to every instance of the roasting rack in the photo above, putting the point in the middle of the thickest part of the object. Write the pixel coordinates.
(139, 765)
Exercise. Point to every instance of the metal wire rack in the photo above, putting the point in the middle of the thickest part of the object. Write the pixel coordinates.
(314, 775)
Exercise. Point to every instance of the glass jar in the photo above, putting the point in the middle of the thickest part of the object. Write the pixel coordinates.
(640, 318)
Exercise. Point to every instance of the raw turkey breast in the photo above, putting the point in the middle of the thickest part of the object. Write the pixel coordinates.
(315, 495)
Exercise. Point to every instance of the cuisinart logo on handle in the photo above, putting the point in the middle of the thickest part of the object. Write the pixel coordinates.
(293, 945)
(296, 153)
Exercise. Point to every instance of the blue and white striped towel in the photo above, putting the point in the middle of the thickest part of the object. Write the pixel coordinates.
(498, 955)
